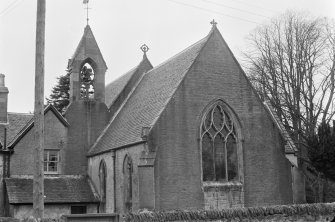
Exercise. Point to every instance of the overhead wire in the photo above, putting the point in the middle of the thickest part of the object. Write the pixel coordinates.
(255, 6)
(241, 10)
(213, 11)
(11, 7)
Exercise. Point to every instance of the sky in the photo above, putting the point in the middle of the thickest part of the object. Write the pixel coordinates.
(120, 28)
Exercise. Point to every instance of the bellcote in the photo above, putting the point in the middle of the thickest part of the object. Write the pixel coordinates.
(87, 67)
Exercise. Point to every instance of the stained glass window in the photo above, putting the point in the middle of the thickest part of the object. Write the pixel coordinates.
(219, 145)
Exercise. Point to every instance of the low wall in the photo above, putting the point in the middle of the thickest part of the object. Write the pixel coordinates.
(302, 213)
(8, 219)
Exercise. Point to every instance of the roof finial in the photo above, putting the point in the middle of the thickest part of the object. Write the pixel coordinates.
(144, 49)
(214, 23)
(87, 8)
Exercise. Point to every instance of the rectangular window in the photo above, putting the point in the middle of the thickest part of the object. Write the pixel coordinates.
(78, 209)
(51, 161)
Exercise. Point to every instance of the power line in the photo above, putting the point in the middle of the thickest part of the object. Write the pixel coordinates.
(210, 10)
(255, 6)
(223, 5)
(10, 7)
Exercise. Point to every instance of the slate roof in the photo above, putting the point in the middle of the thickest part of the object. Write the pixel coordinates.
(147, 101)
(290, 147)
(56, 189)
(16, 121)
(114, 88)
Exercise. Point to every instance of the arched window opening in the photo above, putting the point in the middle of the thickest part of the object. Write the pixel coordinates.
(128, 183)
(219, 145)
(102, 178)
(87, 81)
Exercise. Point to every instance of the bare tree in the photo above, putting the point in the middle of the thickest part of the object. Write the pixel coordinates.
(291, 62)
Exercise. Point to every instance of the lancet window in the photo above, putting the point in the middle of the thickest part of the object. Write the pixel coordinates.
(219, 143)
(102, 178)
(128, 183)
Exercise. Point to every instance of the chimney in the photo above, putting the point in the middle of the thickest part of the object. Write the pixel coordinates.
(3, 100)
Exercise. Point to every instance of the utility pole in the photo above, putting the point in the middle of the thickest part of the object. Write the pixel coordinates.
(38, 193)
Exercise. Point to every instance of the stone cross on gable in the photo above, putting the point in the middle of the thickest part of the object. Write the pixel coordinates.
(214, 23)
(144, 48)
(87, 8)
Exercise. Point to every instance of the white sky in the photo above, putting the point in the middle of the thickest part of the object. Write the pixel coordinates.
(120, 28)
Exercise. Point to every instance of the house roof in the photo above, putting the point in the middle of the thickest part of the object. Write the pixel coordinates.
(29, 124)
(16, 121)
(147, 100)
(56, 189)
(290, 147)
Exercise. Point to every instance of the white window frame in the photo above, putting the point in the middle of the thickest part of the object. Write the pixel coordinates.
(48, 161)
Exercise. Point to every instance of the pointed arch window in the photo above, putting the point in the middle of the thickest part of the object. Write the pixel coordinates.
(87, 77)
(219, 144)
(128, 183)
(102, 178)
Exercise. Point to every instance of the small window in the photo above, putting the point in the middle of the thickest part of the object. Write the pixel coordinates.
(51, 161)
(78, 210)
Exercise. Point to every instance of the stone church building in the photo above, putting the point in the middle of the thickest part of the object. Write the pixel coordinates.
(190, 133)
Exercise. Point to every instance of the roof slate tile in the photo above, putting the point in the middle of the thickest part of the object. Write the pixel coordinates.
(16, 121)
(147, 101)
(57, 190)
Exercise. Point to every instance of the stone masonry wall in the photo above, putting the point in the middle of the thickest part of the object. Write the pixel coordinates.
(120, 154)
(223, 197)
(175, 137)
(301, 213)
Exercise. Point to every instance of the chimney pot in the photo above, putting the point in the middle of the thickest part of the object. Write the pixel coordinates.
(2, 80)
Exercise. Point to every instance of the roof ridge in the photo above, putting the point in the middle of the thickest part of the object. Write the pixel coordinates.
(202, 41)
(176, 55)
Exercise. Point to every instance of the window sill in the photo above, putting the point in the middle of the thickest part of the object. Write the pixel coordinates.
(221, 186)
(51, 173)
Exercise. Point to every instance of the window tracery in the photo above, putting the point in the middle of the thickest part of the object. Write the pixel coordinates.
(219, 145)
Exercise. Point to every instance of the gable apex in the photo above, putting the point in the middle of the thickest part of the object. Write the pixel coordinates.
(29, 125)
(87, 49)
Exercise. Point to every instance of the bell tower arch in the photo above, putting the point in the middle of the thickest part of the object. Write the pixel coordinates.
(87, 67)
(87, 112)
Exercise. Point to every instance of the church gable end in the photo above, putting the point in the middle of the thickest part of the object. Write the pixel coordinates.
(216, 76)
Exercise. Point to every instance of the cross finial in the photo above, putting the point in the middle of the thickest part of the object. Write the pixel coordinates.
(214, 23)
(144, 48)
(87, 8)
